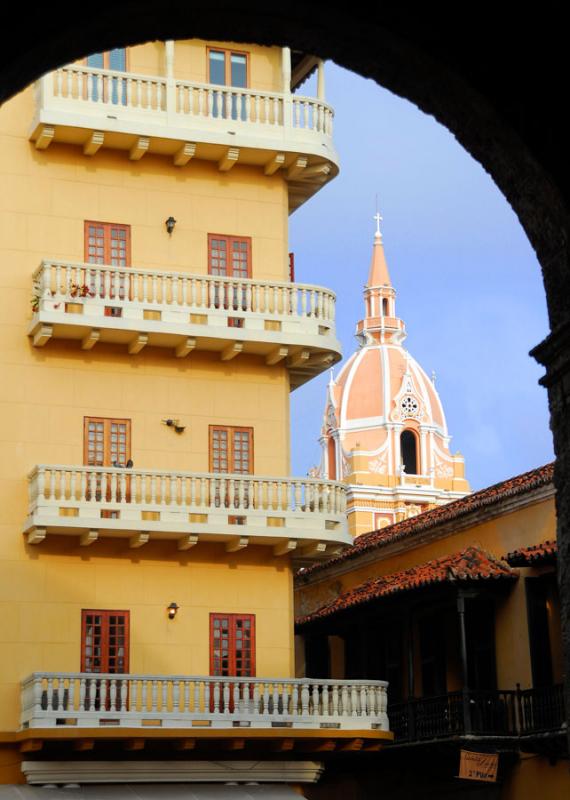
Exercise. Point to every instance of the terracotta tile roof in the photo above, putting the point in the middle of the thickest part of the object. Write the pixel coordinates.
(471, 564)
(543, 553)
(440, 515)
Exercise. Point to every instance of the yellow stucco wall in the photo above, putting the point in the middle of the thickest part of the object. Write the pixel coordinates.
(45, 394)
(43, 591)
(191, 63)
(534, 776)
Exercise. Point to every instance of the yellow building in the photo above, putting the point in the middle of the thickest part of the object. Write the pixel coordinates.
(152, 330)
(458, 609)
(384, 431)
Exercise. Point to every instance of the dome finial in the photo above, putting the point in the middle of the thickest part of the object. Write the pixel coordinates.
(378, 219)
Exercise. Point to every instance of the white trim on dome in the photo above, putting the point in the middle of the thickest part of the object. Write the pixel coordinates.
(348, 385)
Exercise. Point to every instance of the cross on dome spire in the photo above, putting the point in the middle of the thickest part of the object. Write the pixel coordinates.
(378, 218)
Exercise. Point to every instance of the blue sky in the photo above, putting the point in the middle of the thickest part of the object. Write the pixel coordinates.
(468, 282)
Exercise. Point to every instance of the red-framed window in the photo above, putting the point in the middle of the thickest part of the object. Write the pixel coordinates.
(232, 645)
(231, 449)
(107, 243)
(105, 641)
(106, 441)
(229, 256)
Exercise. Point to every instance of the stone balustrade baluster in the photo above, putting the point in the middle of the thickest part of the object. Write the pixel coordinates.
(315, 698)
(294, 699)
(103, 686)
(154, 696)
(216, 697)
(354, 701)
(345, 701)
(82, 694)
(334, 701)
(325, 700)
(305, 699)
(226, 697)
(92, 694)
(364, 711)
(197, 705)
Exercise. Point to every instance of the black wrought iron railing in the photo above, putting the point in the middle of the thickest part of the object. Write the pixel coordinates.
(508, 712)
(541, 709)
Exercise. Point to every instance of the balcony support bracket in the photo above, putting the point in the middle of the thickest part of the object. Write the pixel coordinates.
(229, 159)
(231, 351)
(186, 542)
(185, 347)
(43, 335)
(89, 342)
(94, 143)
(137, 344)
(285, 547)
(314, 549)
(89, 537)
(184, 154)
(138, 540)
(276, 355)
(139, 148)
(274, 164)
(45, 137)
(36, 536)
(297, 168)
(238, 543)
(299, 359)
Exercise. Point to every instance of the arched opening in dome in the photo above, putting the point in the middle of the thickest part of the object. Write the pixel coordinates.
(385, 307)
(409, 451)
(331, 457)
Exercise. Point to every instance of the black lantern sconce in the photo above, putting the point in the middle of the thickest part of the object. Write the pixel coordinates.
(172, 610)
(175, 424)
(170, 223)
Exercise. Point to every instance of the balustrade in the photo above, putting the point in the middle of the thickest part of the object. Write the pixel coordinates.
(184, 491)
(51, 699)
(124, 91)
(57, 283)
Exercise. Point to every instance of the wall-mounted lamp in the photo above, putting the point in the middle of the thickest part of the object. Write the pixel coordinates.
(172, 610)
(170, 223)
(174, 423)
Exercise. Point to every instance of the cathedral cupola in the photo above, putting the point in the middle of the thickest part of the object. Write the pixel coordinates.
(384, 429)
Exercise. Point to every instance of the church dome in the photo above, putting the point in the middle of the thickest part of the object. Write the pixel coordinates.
(384, 430)
(382, 383)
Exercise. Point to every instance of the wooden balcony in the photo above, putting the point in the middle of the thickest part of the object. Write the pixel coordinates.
(82, 700)
(302, 517)
(182, 120)
(283, 323)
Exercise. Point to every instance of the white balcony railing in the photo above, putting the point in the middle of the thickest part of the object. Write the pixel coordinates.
(112, 90)
(51, 699)
(57, 282)
(67, 499)
(288, 323)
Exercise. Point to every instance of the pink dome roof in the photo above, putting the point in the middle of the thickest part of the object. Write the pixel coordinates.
(368, 386)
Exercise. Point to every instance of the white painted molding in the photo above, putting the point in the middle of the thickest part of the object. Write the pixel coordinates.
(82, 772)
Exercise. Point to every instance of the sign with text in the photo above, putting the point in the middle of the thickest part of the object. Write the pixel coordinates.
(478, 766)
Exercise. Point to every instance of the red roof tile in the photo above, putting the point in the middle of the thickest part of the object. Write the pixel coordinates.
(440, 515)
(471, 564)
(545, 552)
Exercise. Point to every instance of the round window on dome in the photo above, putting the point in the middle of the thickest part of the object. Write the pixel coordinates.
(409, 406)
